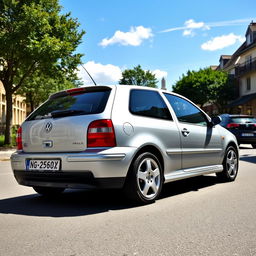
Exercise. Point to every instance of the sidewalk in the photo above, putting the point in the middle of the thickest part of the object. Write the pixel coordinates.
(5, 154)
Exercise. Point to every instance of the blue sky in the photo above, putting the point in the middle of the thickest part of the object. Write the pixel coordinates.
(167, 37)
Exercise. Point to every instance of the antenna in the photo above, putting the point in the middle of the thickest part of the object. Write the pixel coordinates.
(88, 74)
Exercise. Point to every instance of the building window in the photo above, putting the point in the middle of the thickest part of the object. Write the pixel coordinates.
(249, 38)
(248, 61)
(248, 83)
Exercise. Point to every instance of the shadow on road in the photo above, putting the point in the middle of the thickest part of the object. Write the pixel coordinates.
(249, 158)
(188, 185)
(81, 203)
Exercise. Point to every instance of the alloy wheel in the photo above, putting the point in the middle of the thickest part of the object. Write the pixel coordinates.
(148, 178)
(232, 163)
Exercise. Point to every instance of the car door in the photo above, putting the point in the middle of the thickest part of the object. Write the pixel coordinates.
(149, 122)
(201, 142)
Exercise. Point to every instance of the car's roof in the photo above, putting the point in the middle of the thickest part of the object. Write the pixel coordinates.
(91, 87)
(237, 115)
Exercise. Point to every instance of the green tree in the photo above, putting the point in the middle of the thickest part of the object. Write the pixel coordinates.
(39, 87)
(138, 76)
(206, 85)
(35, 37)
(223, 91)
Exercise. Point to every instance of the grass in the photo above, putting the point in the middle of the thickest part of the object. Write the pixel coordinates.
(13, 144)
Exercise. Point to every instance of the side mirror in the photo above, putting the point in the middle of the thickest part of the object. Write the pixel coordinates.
(216, 120)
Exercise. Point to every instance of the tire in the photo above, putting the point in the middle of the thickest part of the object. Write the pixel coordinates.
(145, 179)
(230, 165)
(48, 191)
(254, 145)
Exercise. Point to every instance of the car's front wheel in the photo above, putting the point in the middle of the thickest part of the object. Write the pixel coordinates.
(48, 191)
(145, 179)
(230, 165)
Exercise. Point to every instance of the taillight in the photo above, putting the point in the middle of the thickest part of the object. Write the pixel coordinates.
(101, 134)
(19, 139)
(232, 125)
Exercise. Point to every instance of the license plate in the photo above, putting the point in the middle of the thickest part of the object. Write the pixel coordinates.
(248, 134)
(43, 165)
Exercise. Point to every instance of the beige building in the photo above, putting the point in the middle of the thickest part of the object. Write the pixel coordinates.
(19, 109)
(242, 64)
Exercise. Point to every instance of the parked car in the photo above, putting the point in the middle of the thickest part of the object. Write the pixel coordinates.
(129, 137)
(242, 126)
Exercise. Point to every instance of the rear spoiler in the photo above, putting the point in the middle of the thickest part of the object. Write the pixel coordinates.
(79, 90)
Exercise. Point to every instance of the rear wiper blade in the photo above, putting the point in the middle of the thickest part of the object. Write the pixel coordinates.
(69, 112)
(38, 117)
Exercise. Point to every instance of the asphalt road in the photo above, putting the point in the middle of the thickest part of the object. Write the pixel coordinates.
(198, 216)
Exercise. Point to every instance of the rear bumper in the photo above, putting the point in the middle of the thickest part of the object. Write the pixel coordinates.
(246, 140)
(102, 168)
(84, 179)
(242, 138)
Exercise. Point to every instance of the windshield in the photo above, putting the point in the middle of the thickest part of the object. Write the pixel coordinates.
(86, 103)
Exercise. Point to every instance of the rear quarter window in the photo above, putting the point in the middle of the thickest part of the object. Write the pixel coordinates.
(149, 104)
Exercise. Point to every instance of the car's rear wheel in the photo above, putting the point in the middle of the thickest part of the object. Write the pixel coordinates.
(254, 145)
(230, 165)
(48, 191)
(145, 179)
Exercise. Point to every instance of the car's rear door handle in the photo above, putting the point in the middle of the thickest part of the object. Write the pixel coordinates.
(185, 132)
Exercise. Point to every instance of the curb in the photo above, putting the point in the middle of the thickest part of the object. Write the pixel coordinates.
(5, 155)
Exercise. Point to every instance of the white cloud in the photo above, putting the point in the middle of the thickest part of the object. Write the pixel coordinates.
(159, 74)
(221, 42)
(102, 74)
(230, 22)
(134, 37)
(188, 32)
(191, 25)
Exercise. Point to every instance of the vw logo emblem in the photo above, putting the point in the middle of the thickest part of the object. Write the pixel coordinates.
(48, 127)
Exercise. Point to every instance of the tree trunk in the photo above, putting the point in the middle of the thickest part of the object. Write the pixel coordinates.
(32, 105)
(8, 126)
(30, 101)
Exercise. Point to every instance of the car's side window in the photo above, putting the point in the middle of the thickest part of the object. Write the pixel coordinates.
(185, 111)
(148, 103)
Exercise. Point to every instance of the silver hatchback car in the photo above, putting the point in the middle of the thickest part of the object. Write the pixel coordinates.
(120, 136)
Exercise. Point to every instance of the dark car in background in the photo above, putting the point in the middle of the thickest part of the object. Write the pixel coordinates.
(242, 126)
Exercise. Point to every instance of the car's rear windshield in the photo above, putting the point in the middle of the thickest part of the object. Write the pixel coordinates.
(81, 103)
(243, 120)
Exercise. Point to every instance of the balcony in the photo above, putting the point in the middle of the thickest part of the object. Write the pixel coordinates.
(245, 68)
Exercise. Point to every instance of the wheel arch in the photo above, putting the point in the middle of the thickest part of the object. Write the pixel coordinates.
(131, 187)
(233, 144)
(151, 149)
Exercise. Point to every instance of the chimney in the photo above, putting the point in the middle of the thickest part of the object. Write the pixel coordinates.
(163, 84)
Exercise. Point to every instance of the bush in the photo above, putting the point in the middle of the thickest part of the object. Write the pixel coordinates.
(15, 129)
(13, 144)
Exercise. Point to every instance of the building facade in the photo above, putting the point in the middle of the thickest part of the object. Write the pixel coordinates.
(242, 65)
(19, 109)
